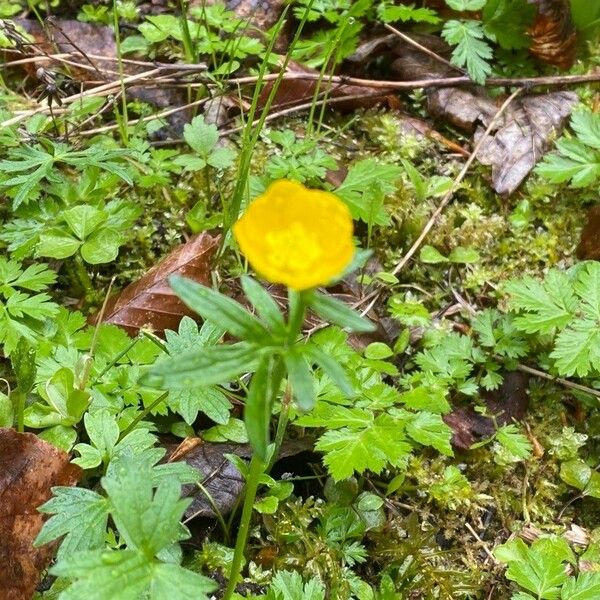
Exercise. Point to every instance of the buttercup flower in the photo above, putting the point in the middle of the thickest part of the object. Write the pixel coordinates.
(296, 236)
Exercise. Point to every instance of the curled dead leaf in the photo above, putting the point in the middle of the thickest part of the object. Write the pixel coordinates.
(149, 302)
(553, 33)
(222, 483)
(29, 468)
(522, 133)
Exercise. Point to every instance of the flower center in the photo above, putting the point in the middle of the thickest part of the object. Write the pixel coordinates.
(293, 248)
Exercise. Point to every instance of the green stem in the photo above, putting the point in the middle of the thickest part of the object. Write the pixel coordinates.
(115, 360)
(297, 309)
(284, 417)
(143, 414)
(256, 469)
(124, 118)
(19, 402)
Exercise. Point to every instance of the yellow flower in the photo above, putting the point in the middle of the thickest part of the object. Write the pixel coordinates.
(296, 236)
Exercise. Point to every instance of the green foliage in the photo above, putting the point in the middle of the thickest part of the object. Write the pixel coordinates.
(577, 159)
(506, 22)
(471, 50)
(288, 585)
(203, 140)
(370, 431)
(28, 166)
(22, 314)
(145, 506)
(96, 234)
(299, 160)
(542, 570)
(365, 187)
(189, 400)
(565, 307)
(337, 42)
(389, 13)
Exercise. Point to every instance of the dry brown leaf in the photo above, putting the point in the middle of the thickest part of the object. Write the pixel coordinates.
(589, 244)
(29, 467)
(221, 479)
(522, 134)
(509, 403)
(86, 42)
(293, 91)
(149, 302)
(553, 33)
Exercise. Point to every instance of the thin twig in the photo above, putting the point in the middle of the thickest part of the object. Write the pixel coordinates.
(482, 543)
(422, 48)
(564, 382)
(455, 184)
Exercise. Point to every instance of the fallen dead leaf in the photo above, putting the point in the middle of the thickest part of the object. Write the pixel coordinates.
(553, 33)
(29, 468)
(522, 134)
(222, 483)
(589, 244)
(149, 301)
(508, 403)
(293, 91)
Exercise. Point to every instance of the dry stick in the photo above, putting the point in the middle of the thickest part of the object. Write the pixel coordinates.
(565, 382)
(101, 90)
(153, 117)
(422, 48)
(341, 80)
(457, 181)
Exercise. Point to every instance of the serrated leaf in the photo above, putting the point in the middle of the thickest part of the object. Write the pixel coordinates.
(471, 50)
(430, 430)
(70, 505)
(351, 450)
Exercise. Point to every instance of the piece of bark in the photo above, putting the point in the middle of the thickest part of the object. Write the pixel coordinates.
(589, 244)
(508, 403)
(150, 302)
(29, 468)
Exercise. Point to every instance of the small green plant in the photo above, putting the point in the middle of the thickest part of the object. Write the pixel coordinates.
(577, 159)
(28, 166)
(23, 313)
(564, 310)
(542, 570)
(502, 21)
(93, 233)
(143, 502)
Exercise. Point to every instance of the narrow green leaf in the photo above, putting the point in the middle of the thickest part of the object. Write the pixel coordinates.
(257, 412)
(203, 367)
(221, 310)
(332, 368)
(264, 304)
(338, 313)
(301, 380)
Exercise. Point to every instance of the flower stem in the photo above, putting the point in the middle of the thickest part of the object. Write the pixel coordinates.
(255, 471)
(297, 310)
